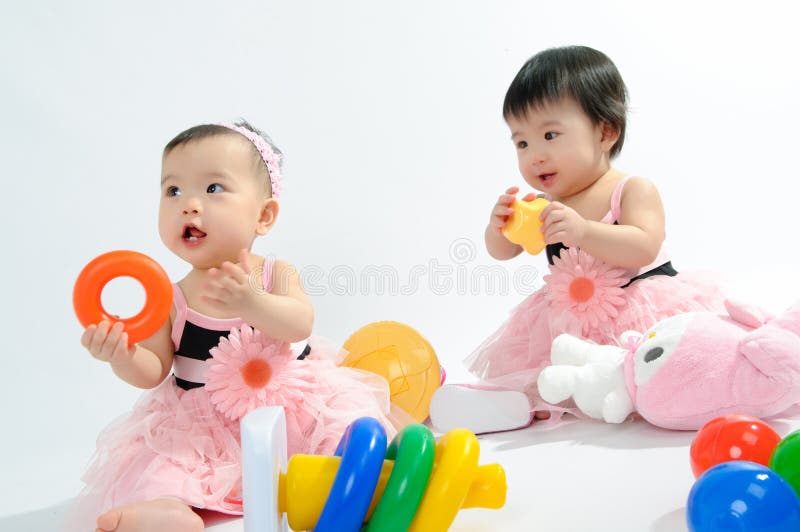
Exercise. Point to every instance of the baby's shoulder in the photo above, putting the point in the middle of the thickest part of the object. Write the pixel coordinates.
(638, 187)
(282, 273)
(639, 200)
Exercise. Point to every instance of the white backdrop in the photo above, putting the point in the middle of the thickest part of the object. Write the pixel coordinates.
(389, 116)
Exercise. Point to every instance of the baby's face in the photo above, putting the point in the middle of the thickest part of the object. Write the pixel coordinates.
(211, 200)
(559, 150)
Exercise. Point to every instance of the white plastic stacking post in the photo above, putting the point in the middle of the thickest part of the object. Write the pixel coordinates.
(263, 459)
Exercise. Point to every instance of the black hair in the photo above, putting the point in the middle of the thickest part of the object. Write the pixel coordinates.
(212, 130)
(579, 72)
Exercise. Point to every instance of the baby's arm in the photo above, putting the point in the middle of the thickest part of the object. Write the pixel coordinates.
(285, 313)
(636, 241)
(499, 246)
(143, 365)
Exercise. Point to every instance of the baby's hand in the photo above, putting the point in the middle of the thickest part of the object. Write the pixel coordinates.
(562, 224)
(108, 343)
(228, 287)
(502, 209)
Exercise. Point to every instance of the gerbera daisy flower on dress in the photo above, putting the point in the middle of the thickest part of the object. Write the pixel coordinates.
(249, 370)
(586, 287)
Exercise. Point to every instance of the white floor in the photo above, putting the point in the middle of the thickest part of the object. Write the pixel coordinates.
(576, 475)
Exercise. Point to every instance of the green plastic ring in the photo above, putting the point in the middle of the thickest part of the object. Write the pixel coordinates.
(413, 451)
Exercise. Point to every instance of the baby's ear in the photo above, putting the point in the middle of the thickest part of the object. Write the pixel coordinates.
(609, 135)
(747, 314)
(268, 217)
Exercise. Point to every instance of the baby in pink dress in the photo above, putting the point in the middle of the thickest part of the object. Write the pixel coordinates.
(604, 230)
(226, 349)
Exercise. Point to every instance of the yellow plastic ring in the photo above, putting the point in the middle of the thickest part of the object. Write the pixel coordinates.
(454, 468)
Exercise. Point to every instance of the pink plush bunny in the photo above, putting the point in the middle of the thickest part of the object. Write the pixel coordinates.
(684, 371)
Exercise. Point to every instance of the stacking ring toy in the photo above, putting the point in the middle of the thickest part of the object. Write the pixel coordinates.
(94, 277)
(362, 448)
(455, 465)
(413, 451)
(305, 483)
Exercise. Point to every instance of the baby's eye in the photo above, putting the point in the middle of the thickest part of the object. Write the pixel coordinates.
(550, 135)
(173, 191)
(521, 145)
(214, 187)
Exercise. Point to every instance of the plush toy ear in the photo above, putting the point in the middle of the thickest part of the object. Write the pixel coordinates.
(625, 336)
(774, 352)
(747, 314)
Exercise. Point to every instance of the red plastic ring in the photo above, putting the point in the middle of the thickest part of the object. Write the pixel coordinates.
(86, 296)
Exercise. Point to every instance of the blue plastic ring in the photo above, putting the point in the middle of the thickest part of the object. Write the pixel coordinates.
(362, 449)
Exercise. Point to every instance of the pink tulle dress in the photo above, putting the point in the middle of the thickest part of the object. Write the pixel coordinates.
(182, 438)
(591, 299)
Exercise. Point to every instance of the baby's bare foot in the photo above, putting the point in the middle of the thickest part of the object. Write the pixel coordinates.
(158, 515)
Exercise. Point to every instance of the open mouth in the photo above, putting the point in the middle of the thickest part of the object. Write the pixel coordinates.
(192, 234)
(546, 179)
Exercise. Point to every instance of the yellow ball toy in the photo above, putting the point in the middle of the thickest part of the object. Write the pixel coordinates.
(403, 357)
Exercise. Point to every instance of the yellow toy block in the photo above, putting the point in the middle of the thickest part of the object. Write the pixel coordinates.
(523, 227)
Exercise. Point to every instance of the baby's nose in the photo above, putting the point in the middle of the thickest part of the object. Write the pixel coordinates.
(538, 158)
(191, 207)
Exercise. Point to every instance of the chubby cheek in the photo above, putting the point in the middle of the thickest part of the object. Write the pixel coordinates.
(165, 230)
(524, 170)
(531, 178)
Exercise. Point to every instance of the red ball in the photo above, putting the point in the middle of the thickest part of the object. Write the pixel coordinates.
(732, 437)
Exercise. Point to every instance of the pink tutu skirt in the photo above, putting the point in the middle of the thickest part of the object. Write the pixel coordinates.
(175, 443)
(516, 353)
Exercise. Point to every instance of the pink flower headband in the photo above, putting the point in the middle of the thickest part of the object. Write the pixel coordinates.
(268, 155)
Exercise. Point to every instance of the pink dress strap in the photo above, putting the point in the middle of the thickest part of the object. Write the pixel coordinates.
(616, 199)
(614, 216)
(179, 302)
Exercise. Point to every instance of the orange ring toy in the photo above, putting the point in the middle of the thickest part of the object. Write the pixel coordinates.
(94, 277)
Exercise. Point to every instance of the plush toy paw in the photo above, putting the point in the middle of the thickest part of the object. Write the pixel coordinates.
(593, 375)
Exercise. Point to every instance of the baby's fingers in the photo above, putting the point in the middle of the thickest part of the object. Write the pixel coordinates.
(116, 347)
(114, 333)
(215, 281)
(502, 210)
(547, 211)
(88, 335)
(99, 338)
(122, 352)
(506, 199)
(497, 222)
(555, 233)
(500, 216)
(234, 273)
